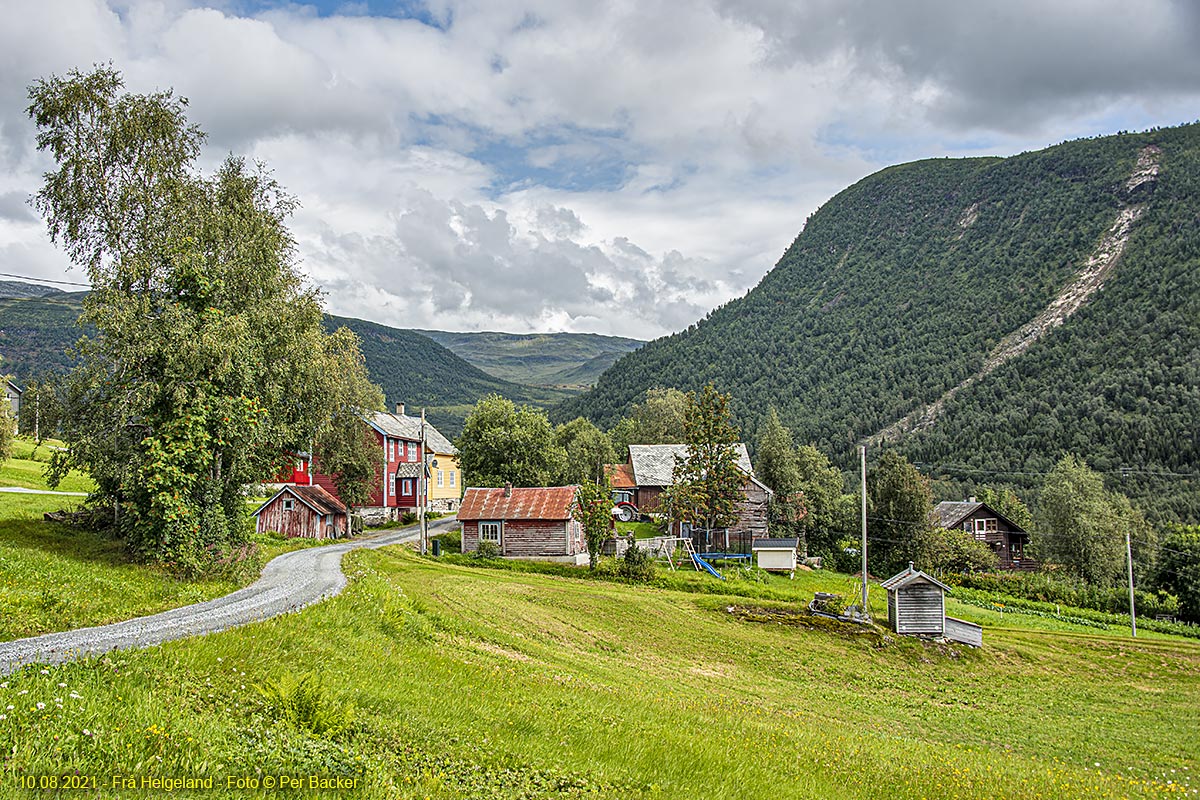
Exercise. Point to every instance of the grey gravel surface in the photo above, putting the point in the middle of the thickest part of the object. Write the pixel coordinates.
(290, 582)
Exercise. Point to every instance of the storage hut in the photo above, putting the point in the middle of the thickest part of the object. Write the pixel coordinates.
(524, 522)
(916, 603)
(777, 554)
(307, 511)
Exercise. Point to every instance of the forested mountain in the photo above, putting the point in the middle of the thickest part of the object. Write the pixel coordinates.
(37, 331)
(572, 360)
(910, 289)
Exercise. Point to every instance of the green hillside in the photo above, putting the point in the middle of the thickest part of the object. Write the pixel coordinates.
(539, 359)
(900, 287)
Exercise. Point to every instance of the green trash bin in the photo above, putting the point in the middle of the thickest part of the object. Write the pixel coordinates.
(437, 546)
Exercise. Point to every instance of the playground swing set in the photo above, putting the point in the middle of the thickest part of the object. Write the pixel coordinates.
(677, 550)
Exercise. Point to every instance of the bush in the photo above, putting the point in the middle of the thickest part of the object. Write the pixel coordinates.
(1046, 588)
(408, 518)
(486, 550)
(637, 564)
(451, 541)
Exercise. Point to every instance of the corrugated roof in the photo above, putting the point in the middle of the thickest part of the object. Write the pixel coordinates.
(552, 502)
(620, 476)
(654, 464)
(313, 496)
(775, 544)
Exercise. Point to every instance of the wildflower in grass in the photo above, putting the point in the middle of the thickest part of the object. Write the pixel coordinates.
(40, 706)
(75, 696)
(62, 686)
(45, 672)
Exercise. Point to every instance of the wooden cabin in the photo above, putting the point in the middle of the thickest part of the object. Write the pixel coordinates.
(1006, 539)
(523, 522)
(303, 511)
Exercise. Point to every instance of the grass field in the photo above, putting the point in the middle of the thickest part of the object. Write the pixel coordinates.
(430, 679)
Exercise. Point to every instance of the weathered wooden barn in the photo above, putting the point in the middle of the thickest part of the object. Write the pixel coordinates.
(523, 522)
(651, 469)
(304, 511)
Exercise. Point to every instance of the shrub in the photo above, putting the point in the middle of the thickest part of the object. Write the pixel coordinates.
(408, 518)
(486, 550)
(637, 564)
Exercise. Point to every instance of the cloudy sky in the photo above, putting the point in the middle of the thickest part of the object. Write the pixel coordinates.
(623, 167)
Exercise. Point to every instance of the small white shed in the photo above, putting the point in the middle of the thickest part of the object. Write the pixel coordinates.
(776, 554)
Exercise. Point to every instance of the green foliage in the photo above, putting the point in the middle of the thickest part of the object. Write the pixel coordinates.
(1083, 527)
(1178, 569)
(305, 703)
(956, 550)
(708, 482)
(830, 511)
(486, 550)
(637, 564)
(776, 465)
(539, 359)
(208, 364)
(587, 450)
(1006, 502)
(1046, 587)
(899, 287)
(592, 509)
(658, 418)
(503, 443)
(899, 529)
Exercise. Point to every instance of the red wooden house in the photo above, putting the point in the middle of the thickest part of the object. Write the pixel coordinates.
(523, 522)
(396, 485)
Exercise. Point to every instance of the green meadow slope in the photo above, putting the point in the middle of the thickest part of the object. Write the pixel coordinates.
(433, 680)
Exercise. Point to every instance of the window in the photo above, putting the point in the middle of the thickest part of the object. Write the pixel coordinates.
(391, 449)
(452, 474)
(287, 505)
(391, 489)
(489, 532)
(406, 487)
(412, 451)
(441, 479)
(985, 526)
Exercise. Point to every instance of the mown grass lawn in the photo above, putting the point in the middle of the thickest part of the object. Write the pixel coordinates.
(26, 469)
(469, 682)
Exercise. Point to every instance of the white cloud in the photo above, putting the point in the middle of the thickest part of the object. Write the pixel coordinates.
(614, 167)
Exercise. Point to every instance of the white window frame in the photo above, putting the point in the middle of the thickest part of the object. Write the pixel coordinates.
(491, 531)
(406, 487)
(452, 474)
(288, 505)
(441, 479)
(412, 451)
(391, 484)
(982, 528)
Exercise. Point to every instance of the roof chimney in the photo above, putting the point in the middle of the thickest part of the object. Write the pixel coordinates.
(508, 489)
(972, 500)
(400, 409)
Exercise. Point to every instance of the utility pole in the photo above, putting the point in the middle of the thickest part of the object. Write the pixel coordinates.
(862, 452)
(1129, 558)
(422, 485)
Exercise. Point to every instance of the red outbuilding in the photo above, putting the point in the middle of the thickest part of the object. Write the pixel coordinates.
(523, 522)
(305, 511)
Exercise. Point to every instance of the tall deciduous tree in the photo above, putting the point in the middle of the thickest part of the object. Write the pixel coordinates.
(587, 450)
(208, 364)
(708, 481)
(778, 468)
(1178, 568)
(899, 507)
(1082, 526)
(831, 512)
(657, 419)
(503, 443)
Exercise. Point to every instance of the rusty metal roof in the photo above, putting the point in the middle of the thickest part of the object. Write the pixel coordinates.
(552, 502)
(620, 476)
(313, 496)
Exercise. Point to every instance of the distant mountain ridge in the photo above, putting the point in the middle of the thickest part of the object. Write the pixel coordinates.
(573, 360)
(984, 315)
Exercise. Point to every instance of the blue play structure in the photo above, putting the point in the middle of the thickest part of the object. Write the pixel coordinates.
(700, 562)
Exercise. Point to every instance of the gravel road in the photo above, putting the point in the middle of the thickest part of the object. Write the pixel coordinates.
(290, 582)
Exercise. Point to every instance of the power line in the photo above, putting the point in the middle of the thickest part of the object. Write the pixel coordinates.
(43, 280)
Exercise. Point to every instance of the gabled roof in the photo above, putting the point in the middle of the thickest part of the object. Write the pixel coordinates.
(620, 476)
(775, 544)
(524, 503)
(402, 426)
(654, 464)
(950, 513)
(14, 387)
(314, 497)
(911, 575)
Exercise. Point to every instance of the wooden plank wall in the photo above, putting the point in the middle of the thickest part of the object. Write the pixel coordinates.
(920, 609)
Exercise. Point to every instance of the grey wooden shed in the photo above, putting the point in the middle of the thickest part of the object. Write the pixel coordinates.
(916, 603)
